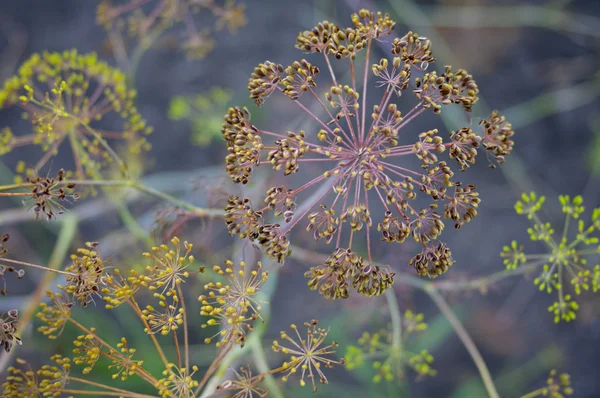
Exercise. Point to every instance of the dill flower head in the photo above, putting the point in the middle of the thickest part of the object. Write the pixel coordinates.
(137, 21)
(233, 304)
(47, 193)
(118, 289)
(87, 350)
(170, 265)
(167, 317)
(125, 365)
(565, 269)
(557, 386)
(88, 269)
(55, 314)
(388, 351)
(307, 354)
(177, 382)
(367, 152)
(22, 381)
(68, 97)
(4, 268)
(244, 385)
(8, 329)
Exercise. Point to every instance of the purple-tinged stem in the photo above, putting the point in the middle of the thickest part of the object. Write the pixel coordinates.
(364, 94)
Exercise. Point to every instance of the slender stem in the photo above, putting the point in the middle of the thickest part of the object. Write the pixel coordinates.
(535, 393)
(344, 108)
(24, 264)
(364, 93)
(419, 283)
(484, 281)
(395, 316)
(133, 303)
(177, 349)
(92, 383)
(102, 393)
(466, 339)
(16, 194)
(139, 51)
(131, 223)
(221, 354)
(15, 186)
(198, 211)
(186, 344)
(103, 142)
(262, 365)
(139, 371)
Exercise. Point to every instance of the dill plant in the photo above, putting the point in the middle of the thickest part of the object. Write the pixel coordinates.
(70, 99)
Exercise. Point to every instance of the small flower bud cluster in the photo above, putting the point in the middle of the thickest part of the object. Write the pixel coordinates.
(88, 267)
(233, 304)
(389, 356)
(566, 260)
(309, 354)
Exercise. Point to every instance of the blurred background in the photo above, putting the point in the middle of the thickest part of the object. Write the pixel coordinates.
(538, 62)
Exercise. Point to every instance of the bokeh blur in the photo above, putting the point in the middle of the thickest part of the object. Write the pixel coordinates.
(537, 61)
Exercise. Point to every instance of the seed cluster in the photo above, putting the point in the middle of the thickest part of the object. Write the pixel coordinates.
(360, 152)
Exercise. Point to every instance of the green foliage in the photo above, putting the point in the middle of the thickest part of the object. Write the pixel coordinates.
(529, 204)
(203, 111)
(566, 256)
(513, 255)
(387, 351)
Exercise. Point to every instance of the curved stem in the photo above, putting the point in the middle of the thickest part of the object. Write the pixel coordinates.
(466, 339)
(260, 360)
(198, 211)
(395, 316)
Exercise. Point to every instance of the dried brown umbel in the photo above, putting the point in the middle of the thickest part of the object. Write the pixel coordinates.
(47, 193)
(145, 21)
(4, 268)
(360, 149)
(244, 385)
(8, 330)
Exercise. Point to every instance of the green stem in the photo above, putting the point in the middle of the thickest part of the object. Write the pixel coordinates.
(137, 54)
(131, 223)
(198, 211)
(103, 142)
(482, 282)
(534, 394)
(396, 318)
(260, 360)
(466, 339)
